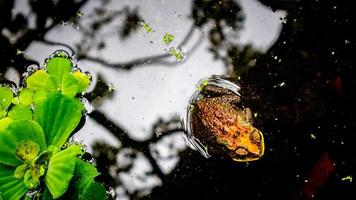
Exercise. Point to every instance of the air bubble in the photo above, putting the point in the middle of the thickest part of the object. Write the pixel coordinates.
(76, 69)
(60, 53)
(88, 106)
(111, 192)
(88, 74)
(9, 84)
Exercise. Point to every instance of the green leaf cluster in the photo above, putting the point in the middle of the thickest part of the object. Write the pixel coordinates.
(177, 53)
(58, 77)
(168, 38)
(13, 107)
(35, 125)
(146, 27)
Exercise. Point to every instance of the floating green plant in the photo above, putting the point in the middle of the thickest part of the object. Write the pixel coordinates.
(168, 38)
(35, 125)
(8, 112)
(147, 27)
(177, 53)
(58, 76)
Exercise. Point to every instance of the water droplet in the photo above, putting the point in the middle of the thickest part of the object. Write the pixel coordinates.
(19, 52)
(283, 20)
(9, 84)
(88, 74)
(31, 69)
(76, 69)
(111, 87)
(32, 194)
(111, 192)
(80, 13)
(87, 105)
(60, 53)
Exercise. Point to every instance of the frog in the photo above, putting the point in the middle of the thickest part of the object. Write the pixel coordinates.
(225, 127)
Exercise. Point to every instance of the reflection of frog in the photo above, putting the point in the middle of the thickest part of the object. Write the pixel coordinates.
(218, 123)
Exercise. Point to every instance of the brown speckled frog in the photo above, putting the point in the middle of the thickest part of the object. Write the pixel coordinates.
(226, 130)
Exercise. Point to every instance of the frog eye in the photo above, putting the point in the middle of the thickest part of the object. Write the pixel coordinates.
(255, 136)
(241, 151)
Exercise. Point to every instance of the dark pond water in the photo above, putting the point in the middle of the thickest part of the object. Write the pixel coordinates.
(294, 61)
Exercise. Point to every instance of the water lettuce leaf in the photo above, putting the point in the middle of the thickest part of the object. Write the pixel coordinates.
(16, 132)
(95, 191)
(4, 123)
(41, 80)
(58, 78)
(85, 173)
(34, 132)
(60, 170)
(10, 187)
(59, 66)
(20, 112)
(25, 97)
(6, 96)
(83, 80)
(83, 185)
(58, 115)
(69, 85)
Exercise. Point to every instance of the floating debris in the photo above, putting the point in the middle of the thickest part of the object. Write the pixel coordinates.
(347, 178)
(312, 136)
(80, 13)
(202, 84)
(283, 20)
(19, 52)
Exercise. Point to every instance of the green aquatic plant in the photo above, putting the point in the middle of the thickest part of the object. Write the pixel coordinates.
(168, 38)
(177, 53)
(35, 125)
(6, 97)
(19, 110)
(58, 76)
(147, 27)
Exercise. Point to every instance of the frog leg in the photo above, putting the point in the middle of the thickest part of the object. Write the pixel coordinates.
(246, 115)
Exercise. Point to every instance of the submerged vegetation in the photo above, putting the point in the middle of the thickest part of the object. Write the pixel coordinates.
(37, 159)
